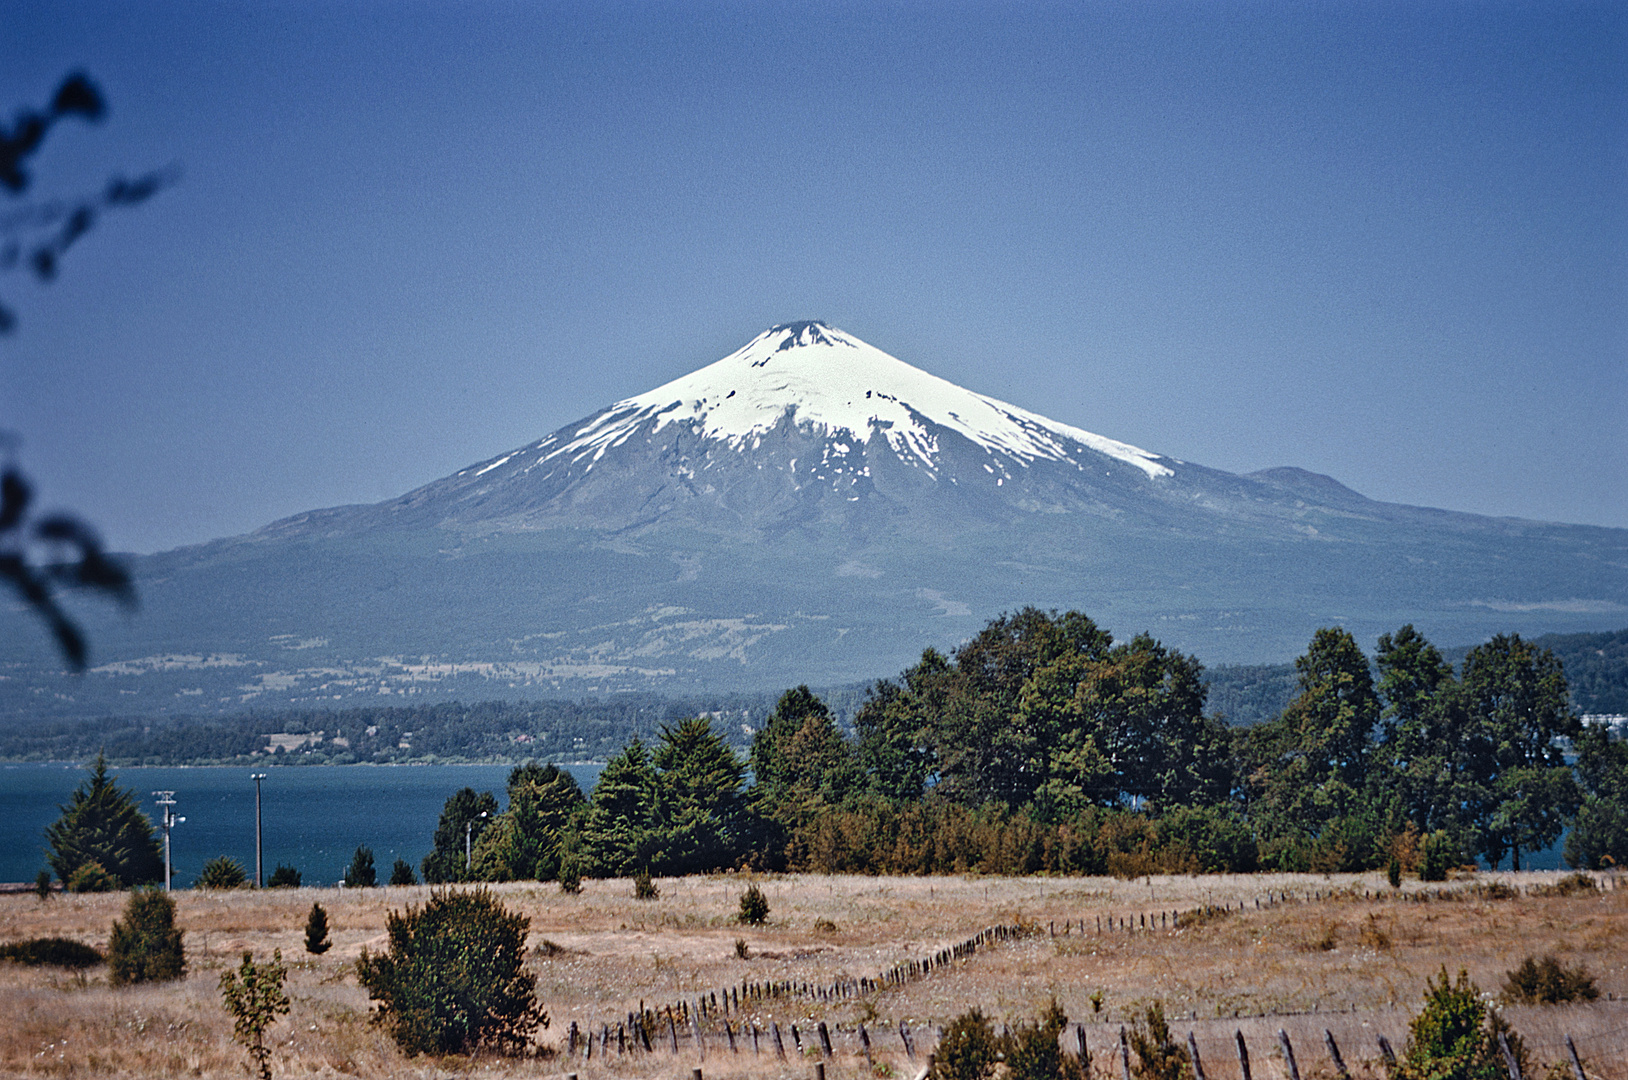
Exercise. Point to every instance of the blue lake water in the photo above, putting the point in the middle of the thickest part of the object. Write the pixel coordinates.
(314, 817)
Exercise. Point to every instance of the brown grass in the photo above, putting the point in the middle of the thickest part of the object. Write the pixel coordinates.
(1353, 962)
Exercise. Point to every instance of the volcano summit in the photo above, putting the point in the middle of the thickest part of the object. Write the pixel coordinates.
(807, 509)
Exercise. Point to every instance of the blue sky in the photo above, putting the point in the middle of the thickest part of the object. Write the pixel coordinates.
(1388, 242)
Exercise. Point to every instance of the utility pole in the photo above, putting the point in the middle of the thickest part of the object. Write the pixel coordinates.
(259, 865)
(166, 803)
(468, 828)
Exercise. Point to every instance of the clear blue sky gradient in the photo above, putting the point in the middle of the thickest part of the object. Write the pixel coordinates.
(1388, 242)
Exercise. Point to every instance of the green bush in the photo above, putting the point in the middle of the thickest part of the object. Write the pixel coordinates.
(145, 946)
(1455, 1036)
(754, 908)
(1032, 1051)
(402, 873)
(284, 877)
(1158, 1056)
(361, 874)
(1547, 982)
(253, 994)
(969, 1050)
(42, 885)
(454, 978)
(316, 931)
(90, 877)
(52, 952)
(1438, 853)
(645, 887)
(223, 872)
(570, 877)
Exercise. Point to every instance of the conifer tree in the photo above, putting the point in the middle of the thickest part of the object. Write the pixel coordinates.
(316, 931)
(102, 823)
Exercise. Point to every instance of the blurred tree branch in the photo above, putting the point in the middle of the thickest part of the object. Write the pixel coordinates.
(39, 555)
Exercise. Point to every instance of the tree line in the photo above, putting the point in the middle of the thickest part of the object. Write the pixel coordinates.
(1042, 745)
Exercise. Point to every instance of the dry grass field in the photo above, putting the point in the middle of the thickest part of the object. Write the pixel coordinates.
(1344, 954)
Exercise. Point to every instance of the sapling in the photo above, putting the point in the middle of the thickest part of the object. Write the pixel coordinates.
(253, 994)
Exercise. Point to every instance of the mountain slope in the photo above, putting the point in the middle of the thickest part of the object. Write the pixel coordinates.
(808, 508)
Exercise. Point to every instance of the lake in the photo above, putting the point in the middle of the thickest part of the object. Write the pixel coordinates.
(314, 817)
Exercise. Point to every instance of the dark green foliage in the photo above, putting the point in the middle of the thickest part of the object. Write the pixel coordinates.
(527, 840)
(361, 873)
(316, 931)
(1547, 981)
(1517, 698)
(969, 1050)
(283, 877)
(1455, 1036)
(1157, 1055)
(222, 872)
(253, 994)
(1033, 1053)
(1599, 835)
(401, 873)
(1217, 838)
(570, 878)
(102, 823)
(89, 877)
(42, 884)
(801, 764)
(1438, 853)
(754, 906)
(454, 978)
(446, 861)
(1393, 871)
(619, 829)
(51, 951)
(1570, 885)
(645, 887)
(145, 946)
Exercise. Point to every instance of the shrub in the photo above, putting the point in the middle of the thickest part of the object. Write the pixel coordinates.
(1393, 871)
(361, 874)
(1158, 1056)
(644, 886)
(51, 951)
(316, 931)
(145, 946)
(284, 877)
(1438, 853)
(1032, 1052)
(454, 977)
(1547, 982)
(743, 951)
(253, 994)
(42, 884)
(969, 1050)
(1570, 885)
(570, 877)
(754, 909)
(222, 872)
(402, 873)
(90, 877)
(1455, 1036)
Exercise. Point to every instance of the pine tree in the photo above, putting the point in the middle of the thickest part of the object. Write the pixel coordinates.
(361, 874)
(102, 823)
(316, 931)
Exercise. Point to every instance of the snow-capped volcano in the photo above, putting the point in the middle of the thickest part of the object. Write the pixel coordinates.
(803, 423)
(831, 383)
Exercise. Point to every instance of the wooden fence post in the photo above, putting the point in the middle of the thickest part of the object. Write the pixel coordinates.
(1386, 1052)
(1576, 1065)
(1334, 1054)
(1085, 1051)
(672, 1030)
(865, 1041)
(1124, 1054)
(909, 1043)
(779, 1045)
(1288, 1054)
(1243, 1057)
(1510, 1063)
(825, 1041)
(1192, 1052)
